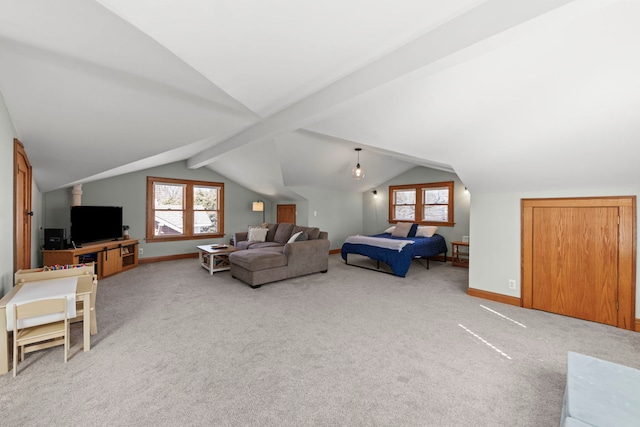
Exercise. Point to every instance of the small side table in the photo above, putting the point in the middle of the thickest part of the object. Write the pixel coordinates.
(460, 258)
(215, 258)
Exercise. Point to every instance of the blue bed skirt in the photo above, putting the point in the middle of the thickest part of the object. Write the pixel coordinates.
(399, 261)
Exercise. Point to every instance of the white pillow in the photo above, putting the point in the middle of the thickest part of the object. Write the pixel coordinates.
(390, 229)
(257, 234)
(294, 237)
(402, 229)
(426, 230)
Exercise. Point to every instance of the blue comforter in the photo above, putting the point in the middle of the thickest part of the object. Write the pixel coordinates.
(399, 261)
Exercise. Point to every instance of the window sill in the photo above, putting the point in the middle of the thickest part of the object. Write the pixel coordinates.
(178, 238)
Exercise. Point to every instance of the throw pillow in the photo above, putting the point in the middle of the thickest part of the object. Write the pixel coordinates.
(302, 236)
(390, 229)
(257, 234)
(294, 237)
(426, 230)
(402, 229)
(412, 232)
(312, 232)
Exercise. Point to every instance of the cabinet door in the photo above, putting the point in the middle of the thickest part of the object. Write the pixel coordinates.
(111, 262)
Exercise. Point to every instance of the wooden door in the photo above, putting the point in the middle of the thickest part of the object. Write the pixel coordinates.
(22, 204)
(286, 213)
(578, 258)
(575, 269)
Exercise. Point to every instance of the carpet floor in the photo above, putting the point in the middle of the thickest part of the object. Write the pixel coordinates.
(352, 347)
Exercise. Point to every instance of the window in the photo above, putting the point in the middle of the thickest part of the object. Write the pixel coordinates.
(427, 204)
(179, 209)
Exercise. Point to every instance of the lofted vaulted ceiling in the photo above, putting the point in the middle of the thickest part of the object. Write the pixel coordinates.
(275, 95)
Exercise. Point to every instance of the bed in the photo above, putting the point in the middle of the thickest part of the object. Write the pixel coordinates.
(396, 252)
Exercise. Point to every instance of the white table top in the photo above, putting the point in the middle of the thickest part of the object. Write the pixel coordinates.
(40, 290)
(215, 249)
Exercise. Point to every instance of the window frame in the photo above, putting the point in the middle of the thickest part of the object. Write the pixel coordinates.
(189, 211)
(419, 188)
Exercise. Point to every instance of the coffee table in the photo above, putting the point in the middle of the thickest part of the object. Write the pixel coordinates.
(215, 258)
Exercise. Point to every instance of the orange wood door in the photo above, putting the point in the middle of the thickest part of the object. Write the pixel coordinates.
(286, 213)
(575, 262)
(22, 203)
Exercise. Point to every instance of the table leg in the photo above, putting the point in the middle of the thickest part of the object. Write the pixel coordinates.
(4, 342)
(211, 263)
(86, 321)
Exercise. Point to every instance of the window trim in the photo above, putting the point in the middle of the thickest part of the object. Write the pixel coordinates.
(189, 211)
(419, 203)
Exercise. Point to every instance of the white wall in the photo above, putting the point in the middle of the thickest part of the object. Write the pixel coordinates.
(495, 242)
(7, 134)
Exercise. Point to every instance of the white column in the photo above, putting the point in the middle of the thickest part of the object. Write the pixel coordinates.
(76, 195)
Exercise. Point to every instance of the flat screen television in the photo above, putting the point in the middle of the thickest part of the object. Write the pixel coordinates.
(95, 223)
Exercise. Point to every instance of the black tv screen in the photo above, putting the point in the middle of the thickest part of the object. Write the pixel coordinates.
(95, 223)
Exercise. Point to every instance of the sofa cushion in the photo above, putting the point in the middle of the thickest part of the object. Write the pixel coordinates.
(272, 232)
(265, 245)
(312, 232)
(283, 232)
(243, 244)
(257, 260)
(277, 247)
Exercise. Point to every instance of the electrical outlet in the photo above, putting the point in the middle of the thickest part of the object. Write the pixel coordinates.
(140, 251)
(512, 284)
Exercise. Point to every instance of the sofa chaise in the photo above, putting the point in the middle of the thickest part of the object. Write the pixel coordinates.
(278, 251)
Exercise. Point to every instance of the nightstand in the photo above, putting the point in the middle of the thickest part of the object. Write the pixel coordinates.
(460, 258)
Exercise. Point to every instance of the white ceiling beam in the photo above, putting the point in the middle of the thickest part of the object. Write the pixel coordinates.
(486, 20)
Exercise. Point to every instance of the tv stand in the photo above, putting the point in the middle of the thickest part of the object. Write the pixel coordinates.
(110, 256)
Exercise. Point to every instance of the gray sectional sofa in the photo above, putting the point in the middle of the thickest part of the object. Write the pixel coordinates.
(276, 258)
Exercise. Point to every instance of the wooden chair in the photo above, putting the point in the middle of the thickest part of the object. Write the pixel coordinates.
(38, 337)
(80, 312)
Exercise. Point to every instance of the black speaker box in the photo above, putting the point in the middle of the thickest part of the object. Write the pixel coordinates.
(55, 238)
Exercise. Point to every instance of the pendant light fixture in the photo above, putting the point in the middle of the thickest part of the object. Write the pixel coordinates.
(358, 172)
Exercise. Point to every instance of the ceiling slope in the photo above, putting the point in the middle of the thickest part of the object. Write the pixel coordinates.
(495, 90)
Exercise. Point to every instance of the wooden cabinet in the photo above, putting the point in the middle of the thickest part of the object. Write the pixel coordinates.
(460, 257)
(111, 257)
